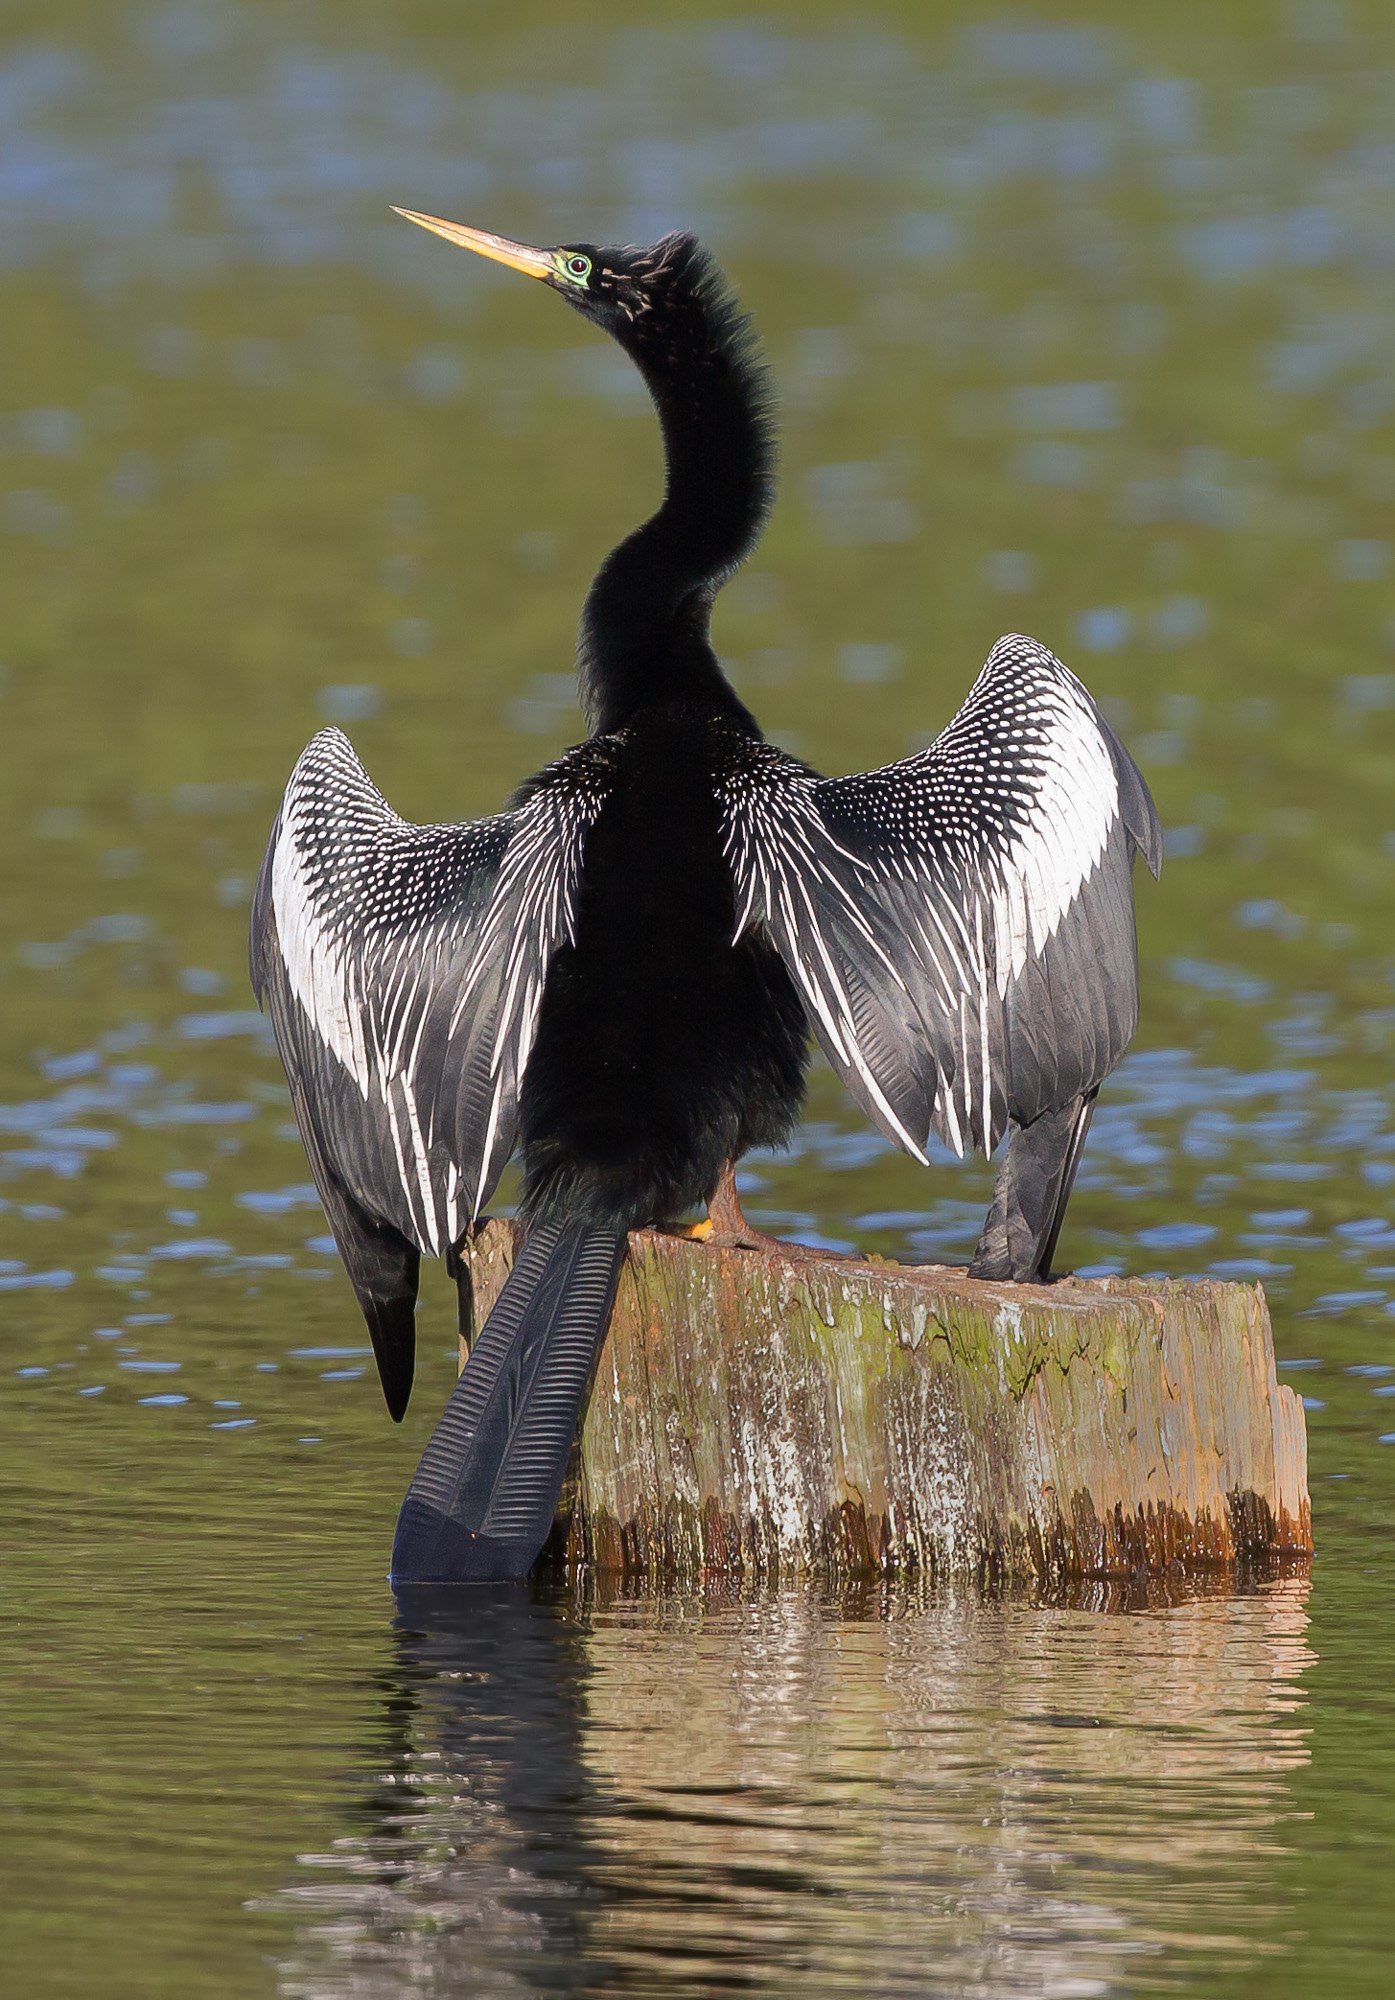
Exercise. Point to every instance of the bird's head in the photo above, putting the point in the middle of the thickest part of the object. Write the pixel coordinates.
(628, 292)
(669, 308)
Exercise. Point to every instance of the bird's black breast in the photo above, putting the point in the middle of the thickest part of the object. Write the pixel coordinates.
(663, 1048)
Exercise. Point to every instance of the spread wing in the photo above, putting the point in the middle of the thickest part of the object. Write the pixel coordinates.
(960, 923)
(403, 968)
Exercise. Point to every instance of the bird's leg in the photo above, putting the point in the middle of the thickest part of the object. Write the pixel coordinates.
(458, 1267)
(726, 1228)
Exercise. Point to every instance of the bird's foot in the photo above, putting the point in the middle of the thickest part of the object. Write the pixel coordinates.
(745, 1238)
(726, 1227)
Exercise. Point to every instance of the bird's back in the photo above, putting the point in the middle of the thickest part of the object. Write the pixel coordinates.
(664, 1047)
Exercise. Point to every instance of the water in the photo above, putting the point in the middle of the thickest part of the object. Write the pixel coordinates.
(1079, 328)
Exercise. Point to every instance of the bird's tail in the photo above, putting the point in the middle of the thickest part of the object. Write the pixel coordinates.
(1031, 1192)
(482, 1502)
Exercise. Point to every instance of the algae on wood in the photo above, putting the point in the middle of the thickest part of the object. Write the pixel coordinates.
(769, 1413)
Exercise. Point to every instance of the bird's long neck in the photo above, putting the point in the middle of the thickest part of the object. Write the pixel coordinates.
(644, 631)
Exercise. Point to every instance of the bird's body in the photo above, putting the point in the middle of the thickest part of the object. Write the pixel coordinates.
(617, 976)
(612, 1128)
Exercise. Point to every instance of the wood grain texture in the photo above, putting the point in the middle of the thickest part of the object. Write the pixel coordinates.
(773, 1414)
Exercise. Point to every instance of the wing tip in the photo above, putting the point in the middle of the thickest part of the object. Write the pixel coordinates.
(1137, 808)
(393, 1331)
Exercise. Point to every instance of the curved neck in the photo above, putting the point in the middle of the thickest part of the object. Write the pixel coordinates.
(644, 630)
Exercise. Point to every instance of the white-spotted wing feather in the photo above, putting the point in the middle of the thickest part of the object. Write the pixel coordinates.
(403, 967)
(960, 923)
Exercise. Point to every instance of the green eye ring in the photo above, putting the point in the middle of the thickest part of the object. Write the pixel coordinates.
(574, 267)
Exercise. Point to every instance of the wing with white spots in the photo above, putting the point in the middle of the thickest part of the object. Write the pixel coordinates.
(960, 923)
(403, 968)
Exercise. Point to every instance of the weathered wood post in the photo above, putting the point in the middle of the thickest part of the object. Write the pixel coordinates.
(775, 1413)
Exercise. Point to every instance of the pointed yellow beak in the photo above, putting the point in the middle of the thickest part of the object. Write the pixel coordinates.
(518, 256)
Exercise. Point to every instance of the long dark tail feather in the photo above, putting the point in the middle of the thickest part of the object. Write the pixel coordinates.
(482, 1501)
(1030, 1195)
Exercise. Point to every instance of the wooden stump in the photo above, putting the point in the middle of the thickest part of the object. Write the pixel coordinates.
(774, 1414)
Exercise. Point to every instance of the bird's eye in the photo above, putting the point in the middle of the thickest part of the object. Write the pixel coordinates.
(579, 268)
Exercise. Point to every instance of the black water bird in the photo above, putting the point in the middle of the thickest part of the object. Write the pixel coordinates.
(616, 975)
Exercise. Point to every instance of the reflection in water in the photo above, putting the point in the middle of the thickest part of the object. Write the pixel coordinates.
(883, 1792)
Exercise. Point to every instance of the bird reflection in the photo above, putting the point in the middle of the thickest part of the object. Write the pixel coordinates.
(894, 1789)
(474, 1835)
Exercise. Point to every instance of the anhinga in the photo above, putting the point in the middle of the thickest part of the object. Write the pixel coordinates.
(616, 976)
